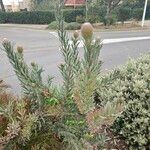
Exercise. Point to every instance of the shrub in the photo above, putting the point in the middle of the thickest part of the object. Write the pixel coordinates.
(93, 18)
(71, 14)
(131, 84)
(50, 117)
(137, 13)
(80, 19)
(25, 17)
(148, 11)
(97, 10)
(54, 25)
(2, 17)
(109, 20)
(73, 26)
(38, 17)
(123, 14)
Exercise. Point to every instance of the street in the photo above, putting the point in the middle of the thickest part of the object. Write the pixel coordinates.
(42, 46)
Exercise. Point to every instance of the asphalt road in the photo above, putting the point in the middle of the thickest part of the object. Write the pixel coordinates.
(43, 47)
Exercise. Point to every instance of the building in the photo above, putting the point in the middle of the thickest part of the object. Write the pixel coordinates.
(75, 3)
(15, 7)
(8, 8)
(26, 4)
(12, 7)
(21, 5)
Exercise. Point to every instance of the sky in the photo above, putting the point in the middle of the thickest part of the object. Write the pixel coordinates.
(6, 2)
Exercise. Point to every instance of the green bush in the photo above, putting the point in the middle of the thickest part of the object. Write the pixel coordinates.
(80, 19)
(123, 14)
(2, 17)
(54, 25)
(109, 20)
(68, 26)
(73, 26)
(131, 84)
(97, 10)
(71, 14)
(93, 18)
(24, 17)
(137, 13)
(148, 11)
(38, 17)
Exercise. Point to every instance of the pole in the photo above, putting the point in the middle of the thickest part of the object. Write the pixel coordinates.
(144, 13)
(86, 10)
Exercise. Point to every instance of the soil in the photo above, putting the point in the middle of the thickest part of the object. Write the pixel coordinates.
(113, 142)
(119, 26)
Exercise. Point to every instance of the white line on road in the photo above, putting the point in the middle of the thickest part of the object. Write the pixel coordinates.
(109, 41)
(106, 41)
(54, 34)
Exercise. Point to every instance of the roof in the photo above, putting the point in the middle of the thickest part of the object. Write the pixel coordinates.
(74, 2)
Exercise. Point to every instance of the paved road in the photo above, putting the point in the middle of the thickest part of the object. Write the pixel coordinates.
(43, 47)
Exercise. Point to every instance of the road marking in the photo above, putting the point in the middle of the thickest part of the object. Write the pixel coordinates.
(106, 41)
(54, 34)
(119, 40)
(109, 41)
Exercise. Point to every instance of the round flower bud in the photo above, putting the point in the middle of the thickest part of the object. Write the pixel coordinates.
(87, 31)
(76, 34)
(32, 64)
(5, 41)
(33, 85)
(98, 39)
(20, 49)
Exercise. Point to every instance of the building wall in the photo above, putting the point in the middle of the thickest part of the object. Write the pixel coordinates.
(26, 4)
(8, 8)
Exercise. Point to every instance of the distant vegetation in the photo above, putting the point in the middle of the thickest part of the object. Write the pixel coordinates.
(106, 11)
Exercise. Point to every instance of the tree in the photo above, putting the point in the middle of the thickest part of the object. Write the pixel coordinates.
(2, 5)
(124, 13)
(111, 4)
(41, 5)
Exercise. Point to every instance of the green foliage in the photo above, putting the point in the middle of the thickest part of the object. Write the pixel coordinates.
(73, 26)
(71, 14)
(80, 19)
(96, 9)
(24, 17)
(130, 84)
(2, 17)
(42, 5)
(53, 118)
(137, 13)
(38, 17)
(109, 20)
(93, 18)
(124, 13)
(54, 25)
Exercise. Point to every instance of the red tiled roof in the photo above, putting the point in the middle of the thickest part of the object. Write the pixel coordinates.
(74, 2)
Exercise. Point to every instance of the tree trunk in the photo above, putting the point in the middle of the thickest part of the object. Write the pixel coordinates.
(2, 5)
(109, 3)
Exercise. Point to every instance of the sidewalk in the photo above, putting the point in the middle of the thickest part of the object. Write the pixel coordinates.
(26, 26)
(43, 27)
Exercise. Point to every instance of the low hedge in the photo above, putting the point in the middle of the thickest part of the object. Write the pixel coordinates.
(73, 26)
(38, 17)
(54, 25)
(131, 84)
(71, 14)
(25, 17)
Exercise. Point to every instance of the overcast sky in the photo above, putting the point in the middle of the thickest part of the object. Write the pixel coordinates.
(9, 1)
